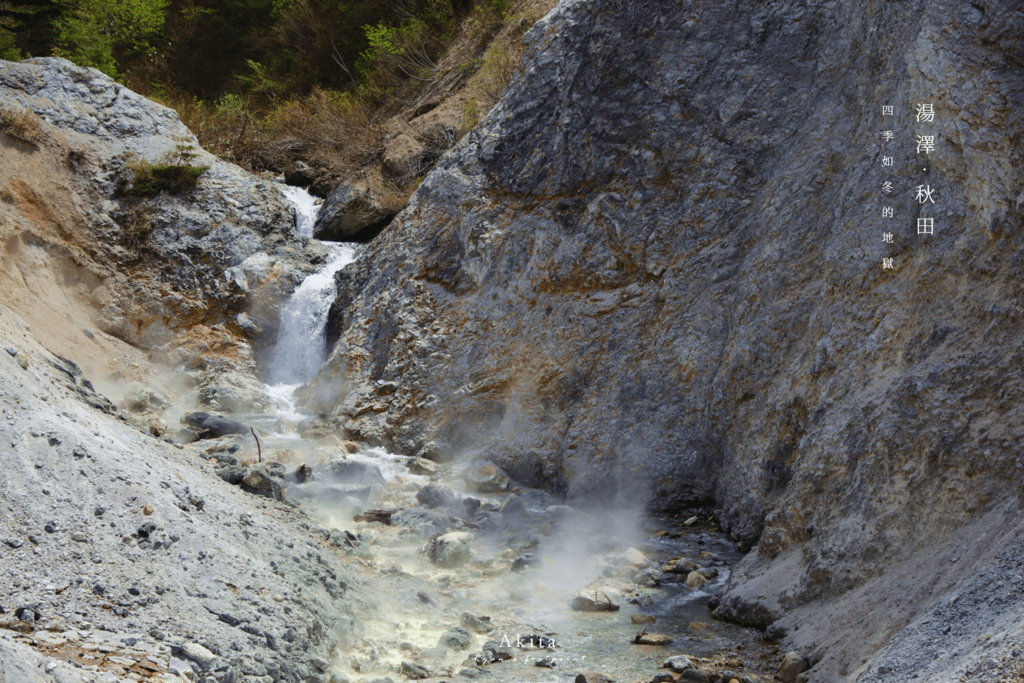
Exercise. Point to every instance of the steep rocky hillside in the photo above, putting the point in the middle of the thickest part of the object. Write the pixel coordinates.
(100, 274)
(656, 269)
(114, 539)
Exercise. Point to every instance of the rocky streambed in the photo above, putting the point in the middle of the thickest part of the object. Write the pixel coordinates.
(475, 577)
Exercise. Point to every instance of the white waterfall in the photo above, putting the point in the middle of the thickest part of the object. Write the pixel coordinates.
(306, 209)
(302, 335)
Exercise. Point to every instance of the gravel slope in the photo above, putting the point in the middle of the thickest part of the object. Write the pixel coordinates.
(248, 578)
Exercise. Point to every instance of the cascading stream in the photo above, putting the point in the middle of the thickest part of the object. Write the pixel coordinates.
(302, 336)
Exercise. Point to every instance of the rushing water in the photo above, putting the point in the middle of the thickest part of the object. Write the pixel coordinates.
(306, 209)
(302, 337)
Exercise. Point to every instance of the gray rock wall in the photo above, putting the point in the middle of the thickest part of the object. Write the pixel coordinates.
(656, 268)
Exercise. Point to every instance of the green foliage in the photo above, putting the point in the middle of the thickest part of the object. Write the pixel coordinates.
(231, 104)
(176, 176)
(8, 44)
(100, 33)
(259, 81)
(382, 42)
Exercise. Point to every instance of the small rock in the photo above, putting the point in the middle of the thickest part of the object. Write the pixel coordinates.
(546, 662)
(414, 671)
(496, 652)
(29, 614)
(200, 655)
(350, 472)
(212, 425)
(139, 398)
(403, 155)
(457, 639)
(793, 664)
(658, 639)
(695, 580)
(473, 623)
(643, 618)
(486, 477)
(635, 558)
(694, 676)
(690, 521)
(22, 361)
(257, 477)
(13, 542)
(79, 537)
(697, 626)
(436, 495)
(422, 466)
(513, 506)
(451, 550)
(663, 678)
(593, 601)
(232, 474)
(678, 664)
(147, 509)
(594, 677)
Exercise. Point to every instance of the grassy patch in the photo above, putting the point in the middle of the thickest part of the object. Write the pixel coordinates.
(21, 124)
(149, 180)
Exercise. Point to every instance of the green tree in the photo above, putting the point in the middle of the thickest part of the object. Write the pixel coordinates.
(104, 33)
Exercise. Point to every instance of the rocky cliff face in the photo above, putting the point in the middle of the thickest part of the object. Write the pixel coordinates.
(656, 269)
(196, 279)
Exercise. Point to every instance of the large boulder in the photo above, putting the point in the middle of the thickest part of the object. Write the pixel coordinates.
(349, 214)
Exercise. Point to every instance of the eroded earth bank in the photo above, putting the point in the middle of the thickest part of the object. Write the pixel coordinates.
(628, 354)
